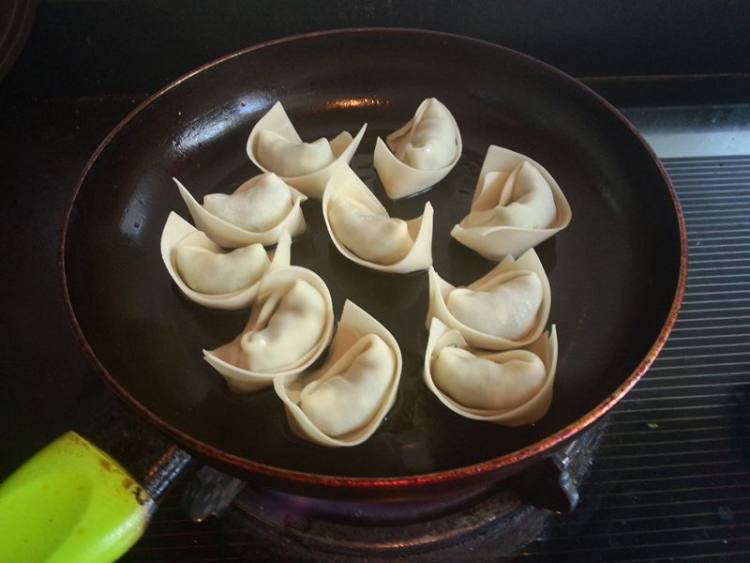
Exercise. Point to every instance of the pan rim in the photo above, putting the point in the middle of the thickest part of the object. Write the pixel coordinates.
(395, 482)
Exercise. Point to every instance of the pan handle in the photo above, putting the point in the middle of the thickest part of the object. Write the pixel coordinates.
(73, 502)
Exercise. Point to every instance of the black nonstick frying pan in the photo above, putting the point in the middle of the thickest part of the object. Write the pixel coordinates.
(617, 273)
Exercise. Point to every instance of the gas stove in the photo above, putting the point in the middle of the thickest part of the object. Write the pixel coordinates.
(670, 476)
(498, 519)
(667, 478)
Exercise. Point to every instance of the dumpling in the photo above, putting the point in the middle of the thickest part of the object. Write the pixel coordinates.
(275, 146)
(507, 308)
(290, 325)
(344, 402)
(211, 277)
(255, 207)
(259, 211)
(525, 200)
(509, 379)
(516, 205)
(514, 302)
(419, 154)
(205, 268)
(362, 230)
(511, 388)
(356, 227)
(289, 158)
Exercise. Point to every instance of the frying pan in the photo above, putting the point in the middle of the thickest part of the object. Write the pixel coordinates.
(617, 272)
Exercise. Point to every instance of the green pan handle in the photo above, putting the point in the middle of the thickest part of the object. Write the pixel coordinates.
(71, 503)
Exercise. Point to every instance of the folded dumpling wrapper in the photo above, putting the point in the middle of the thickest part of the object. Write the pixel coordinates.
(275, 146)
(362, 230)
(504, 309)
(207, 275)
(344, 402)
(510, 388)
(517, 204)
(290, 326)
(419, 154)
(259, 211)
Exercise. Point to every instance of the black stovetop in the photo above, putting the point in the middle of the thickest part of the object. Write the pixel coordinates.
(671, 480)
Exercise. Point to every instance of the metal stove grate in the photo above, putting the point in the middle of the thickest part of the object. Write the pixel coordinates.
(671, 480)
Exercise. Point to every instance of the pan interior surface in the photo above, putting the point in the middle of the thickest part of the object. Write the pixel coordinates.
(614, 271)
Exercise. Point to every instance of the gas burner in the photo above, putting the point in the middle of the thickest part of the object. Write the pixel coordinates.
(493, 520)
(308, 529)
